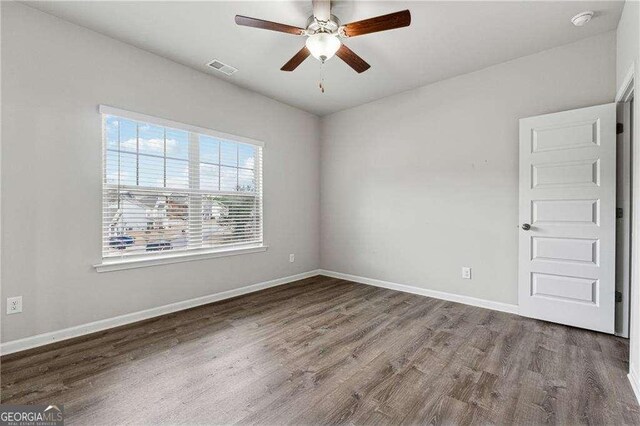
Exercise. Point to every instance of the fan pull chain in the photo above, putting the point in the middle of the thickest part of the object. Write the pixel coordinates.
(321, 84)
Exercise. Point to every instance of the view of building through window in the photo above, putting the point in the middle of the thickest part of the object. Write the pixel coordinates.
(171, 189)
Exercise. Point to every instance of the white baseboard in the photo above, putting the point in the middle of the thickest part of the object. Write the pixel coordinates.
(635, 382)
(92, 327)
(467, 300)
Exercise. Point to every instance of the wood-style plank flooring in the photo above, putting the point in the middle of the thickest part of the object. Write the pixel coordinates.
(328, 351)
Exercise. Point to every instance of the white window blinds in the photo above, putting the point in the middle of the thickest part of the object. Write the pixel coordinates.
(174, 188)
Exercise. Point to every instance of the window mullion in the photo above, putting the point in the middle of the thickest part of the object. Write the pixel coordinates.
(137, 153)
(194, 232)
(164, 158)
(237, 167)
(259, 219)
(119, 163)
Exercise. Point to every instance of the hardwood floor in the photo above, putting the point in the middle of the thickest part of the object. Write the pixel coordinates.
(324, 350)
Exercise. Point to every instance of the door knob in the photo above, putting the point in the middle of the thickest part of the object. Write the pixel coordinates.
(526, 226)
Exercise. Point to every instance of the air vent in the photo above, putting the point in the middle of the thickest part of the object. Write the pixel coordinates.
(222, 67)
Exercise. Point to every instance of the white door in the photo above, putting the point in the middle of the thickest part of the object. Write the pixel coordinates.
(567, 217)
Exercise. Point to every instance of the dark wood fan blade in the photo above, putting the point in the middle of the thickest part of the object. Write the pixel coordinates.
(297, 59)
(353, 60)
(268, 25)
(379, 23)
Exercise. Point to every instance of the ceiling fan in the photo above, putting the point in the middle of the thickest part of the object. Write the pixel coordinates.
(325, 33)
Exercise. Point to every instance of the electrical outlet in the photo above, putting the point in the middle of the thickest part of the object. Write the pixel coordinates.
(292, 258)
(14, 305)
(466, 272)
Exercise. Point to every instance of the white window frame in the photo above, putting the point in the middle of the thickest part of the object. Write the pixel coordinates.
(162, 258)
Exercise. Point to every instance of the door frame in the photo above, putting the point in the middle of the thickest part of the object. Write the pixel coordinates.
(624, 187)
(625, 93)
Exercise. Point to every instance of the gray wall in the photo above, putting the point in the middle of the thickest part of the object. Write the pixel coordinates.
(417, 185)
(628, 39)
(53, 78)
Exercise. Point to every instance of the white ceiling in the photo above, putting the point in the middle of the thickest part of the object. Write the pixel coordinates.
(445, 39)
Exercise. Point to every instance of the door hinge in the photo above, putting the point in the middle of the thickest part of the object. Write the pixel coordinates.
(619, 128)
(618, 297)
(619, 213)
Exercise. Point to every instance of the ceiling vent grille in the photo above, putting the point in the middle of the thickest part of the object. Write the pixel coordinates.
(222, 67)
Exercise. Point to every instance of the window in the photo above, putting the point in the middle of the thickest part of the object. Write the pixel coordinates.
(171, 188)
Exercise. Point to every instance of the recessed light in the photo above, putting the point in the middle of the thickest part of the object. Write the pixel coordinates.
(582, 18)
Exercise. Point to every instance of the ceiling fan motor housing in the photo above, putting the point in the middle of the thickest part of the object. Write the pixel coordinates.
(314, 26)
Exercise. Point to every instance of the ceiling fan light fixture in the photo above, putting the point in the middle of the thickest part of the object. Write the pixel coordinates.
(323, 45)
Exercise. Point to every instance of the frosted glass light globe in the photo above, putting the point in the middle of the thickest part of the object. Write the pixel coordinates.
(323, 45)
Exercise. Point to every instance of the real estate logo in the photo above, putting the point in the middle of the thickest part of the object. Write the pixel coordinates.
(31, 415)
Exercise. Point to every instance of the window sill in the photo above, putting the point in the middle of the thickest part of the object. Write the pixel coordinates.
(121, 264)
